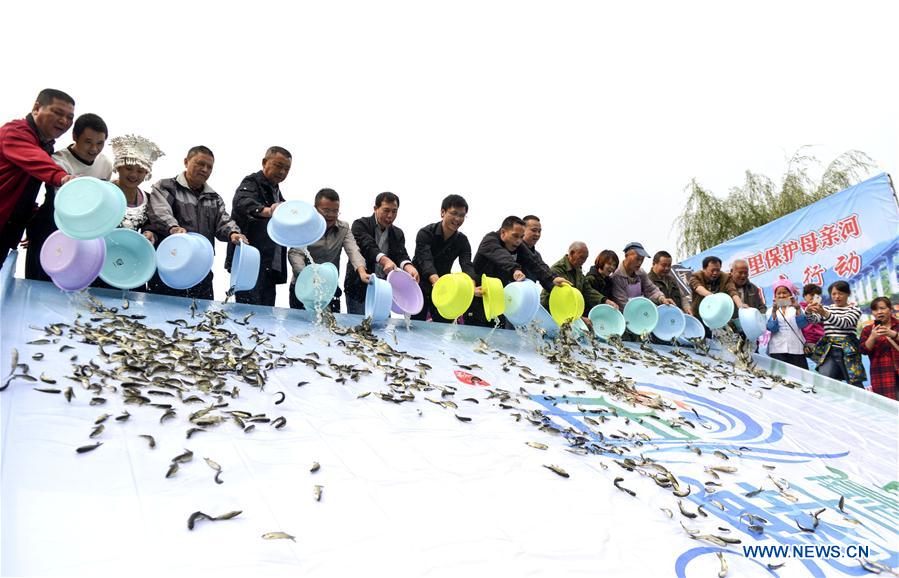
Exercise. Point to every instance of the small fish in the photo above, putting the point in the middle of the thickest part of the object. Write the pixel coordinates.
(37, 356)
(169, 413)
(47, 390)
(361, 395)
(183, 458)
(317, 493)
(47, 379)
(683, 511)
(97, 401)
(123, 416)
(279, 422)
(776, 566)
(38, 342)
(192, 431)
(315, 467)
(281, 400)
(97, 431)
(302, 383)
(842, 503)
(667, 512)
(90, 448)
(173, 469)
(754, 493)
(462, 418)
(197, 516)
(101, 419)
(623, 489)
(278, 536)
(150, 440)
(723, 571)
(538, 445)
(556, 469)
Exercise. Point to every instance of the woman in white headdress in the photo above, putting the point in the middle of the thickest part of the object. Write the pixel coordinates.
(134, 158)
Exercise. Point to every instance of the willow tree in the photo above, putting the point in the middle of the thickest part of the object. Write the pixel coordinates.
(708, 220)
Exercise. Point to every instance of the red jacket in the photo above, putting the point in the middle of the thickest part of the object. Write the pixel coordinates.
(22, 158)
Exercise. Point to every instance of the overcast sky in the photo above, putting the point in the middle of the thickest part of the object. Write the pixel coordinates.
(593, 115)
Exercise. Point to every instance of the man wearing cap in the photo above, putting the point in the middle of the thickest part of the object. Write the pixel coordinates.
(384, 247)
(337, 238)
(570, 268)
(662, 277)
(629, 280)
(257, 197)
(186, 203)
(25, 148)
(710, 280)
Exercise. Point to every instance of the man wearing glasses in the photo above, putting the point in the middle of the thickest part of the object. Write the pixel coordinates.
(337, 237)
(383, 246)
(437, 246)
(256, 199)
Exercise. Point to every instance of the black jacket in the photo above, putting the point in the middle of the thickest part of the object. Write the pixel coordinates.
(435, 255)
(600, 283)
(254, 194)
(364, 232)
(494, 260)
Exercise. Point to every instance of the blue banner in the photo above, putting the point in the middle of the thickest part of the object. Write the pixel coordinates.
(852, 235)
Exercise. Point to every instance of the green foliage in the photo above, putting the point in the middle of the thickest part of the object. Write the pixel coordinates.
(708, 220)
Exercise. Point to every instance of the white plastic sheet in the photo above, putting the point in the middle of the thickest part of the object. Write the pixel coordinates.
(409, 490)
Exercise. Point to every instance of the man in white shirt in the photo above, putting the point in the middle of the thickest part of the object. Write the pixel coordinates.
(82, 158)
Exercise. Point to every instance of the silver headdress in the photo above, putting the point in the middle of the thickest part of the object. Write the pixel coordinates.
(135, 150)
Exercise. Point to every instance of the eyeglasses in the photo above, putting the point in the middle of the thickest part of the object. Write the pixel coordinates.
(330, 212)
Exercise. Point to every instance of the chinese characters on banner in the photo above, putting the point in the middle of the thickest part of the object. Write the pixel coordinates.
(852, 235)
(810, 243)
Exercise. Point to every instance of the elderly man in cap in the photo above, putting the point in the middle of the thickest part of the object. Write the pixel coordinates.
(629, 280)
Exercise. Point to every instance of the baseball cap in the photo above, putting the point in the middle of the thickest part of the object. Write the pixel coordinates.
(636, 247)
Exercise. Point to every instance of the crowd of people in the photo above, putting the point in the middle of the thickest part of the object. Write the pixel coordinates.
(374, 245)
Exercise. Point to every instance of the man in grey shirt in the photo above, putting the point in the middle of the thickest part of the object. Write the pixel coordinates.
(337, 237)
(187, 203)
(629, 280)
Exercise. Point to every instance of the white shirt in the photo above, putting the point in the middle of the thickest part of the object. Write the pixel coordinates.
(788, 338)
(101, 168)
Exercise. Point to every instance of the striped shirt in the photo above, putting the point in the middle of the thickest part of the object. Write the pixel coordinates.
(843, 321)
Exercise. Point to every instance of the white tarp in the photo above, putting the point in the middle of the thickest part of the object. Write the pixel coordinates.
(409, 489)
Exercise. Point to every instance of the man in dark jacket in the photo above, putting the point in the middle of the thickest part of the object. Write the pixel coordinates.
(256, 199)
(662, 277)
(382, 245)
(503, 255)
(187, 203)
(749, 293)
(437, 246)
(25, 148)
